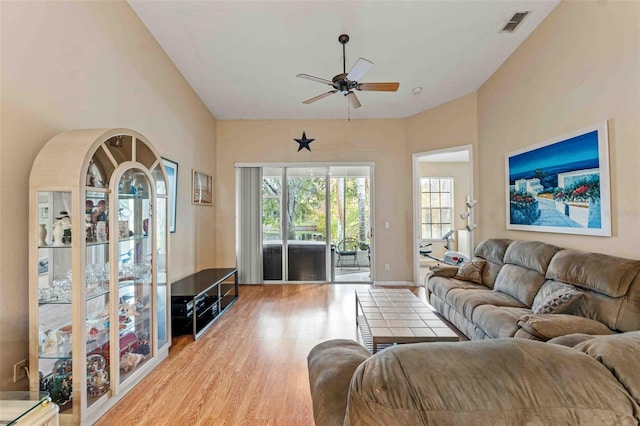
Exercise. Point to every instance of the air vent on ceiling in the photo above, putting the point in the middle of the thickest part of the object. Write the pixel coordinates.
(514, 21)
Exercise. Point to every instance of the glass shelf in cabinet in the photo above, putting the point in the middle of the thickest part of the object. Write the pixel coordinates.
(54, 356)
(61, 301)
(51, 246)
(137, 196)
(97, 243)
(98, 342)
(133, 238)
(97, 293)
(54, 302)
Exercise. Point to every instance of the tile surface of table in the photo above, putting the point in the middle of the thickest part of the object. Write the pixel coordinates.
(387, 316)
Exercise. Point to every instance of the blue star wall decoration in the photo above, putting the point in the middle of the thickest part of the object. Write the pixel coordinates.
(304, 142)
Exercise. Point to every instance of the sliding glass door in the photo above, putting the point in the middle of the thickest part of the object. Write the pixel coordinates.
(306, 223)
(350, 220)
(316, 224)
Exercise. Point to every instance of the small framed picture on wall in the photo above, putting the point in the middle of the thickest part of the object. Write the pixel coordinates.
(202, 189)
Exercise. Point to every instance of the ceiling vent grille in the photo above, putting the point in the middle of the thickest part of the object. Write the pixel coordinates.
(514, 22)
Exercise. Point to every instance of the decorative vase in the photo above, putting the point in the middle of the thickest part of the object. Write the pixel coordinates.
(42, 235)
(58, 233)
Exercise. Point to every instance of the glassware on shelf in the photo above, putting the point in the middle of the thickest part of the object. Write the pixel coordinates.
(97, 375)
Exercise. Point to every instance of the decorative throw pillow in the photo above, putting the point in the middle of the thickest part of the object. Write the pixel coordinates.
(471, 271)
(444, 271)
(558, 302)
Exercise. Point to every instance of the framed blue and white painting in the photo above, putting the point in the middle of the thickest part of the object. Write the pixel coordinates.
(561, 185)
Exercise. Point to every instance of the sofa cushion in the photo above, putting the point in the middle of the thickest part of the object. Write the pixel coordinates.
(570, 340)
(525, 264)
(606, 274)
(498, 321)
(441, 286)
(533, 255)
(465, 301)
(548, 326)
(519, 282)
(497, 382)
(558, 302)
(493, 252)
(602, 308)
(615, 353)
(331, 366)
(471, 271)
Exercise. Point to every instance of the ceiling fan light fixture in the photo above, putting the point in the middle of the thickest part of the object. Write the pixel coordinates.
(346, 83)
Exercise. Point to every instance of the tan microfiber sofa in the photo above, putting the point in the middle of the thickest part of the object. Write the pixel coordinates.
(517, 274)
(489, 382)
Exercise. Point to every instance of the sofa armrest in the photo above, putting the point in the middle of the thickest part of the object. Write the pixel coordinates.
(548, 326)
(331, 366)
(444, 271)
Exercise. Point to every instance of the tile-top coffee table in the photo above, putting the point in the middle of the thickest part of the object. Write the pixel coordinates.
(388, 316)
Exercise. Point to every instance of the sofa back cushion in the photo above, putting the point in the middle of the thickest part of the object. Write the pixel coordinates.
(611, 286)
(492, 251)
(523, 273)
(600, 272)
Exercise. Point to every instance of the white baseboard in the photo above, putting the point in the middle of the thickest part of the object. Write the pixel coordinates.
(395, 283)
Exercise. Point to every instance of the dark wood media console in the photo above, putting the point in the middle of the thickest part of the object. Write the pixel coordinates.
(199, 299)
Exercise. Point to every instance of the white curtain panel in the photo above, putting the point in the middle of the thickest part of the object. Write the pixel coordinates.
(249, 224)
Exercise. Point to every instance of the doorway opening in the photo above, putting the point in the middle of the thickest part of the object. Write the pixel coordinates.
(443, 202)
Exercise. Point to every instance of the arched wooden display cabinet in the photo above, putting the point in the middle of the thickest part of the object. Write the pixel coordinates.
(98, 268)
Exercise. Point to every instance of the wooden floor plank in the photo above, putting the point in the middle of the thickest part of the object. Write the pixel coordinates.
(250, 367)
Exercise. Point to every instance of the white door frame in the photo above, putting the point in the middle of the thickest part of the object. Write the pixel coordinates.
(416, 201)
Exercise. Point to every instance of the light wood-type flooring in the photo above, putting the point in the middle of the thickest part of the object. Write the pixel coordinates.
(250, 367)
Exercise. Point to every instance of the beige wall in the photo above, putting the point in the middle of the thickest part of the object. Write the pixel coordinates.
(452, 124)
(581, 66)
(378, 141)
(68, 65)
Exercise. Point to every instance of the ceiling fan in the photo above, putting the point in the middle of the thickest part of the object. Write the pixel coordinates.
(345, 83)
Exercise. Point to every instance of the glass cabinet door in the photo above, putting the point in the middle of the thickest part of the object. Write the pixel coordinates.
(161, 212)
(55, 284)
(135, 281)
(98, 296)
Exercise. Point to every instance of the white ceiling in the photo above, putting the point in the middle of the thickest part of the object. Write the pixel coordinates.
(242, 57)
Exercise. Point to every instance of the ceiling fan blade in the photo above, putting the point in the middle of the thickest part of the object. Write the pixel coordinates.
(318, 79)
(359, 69)
(378, 87)
(355, 103)
(317, 98)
